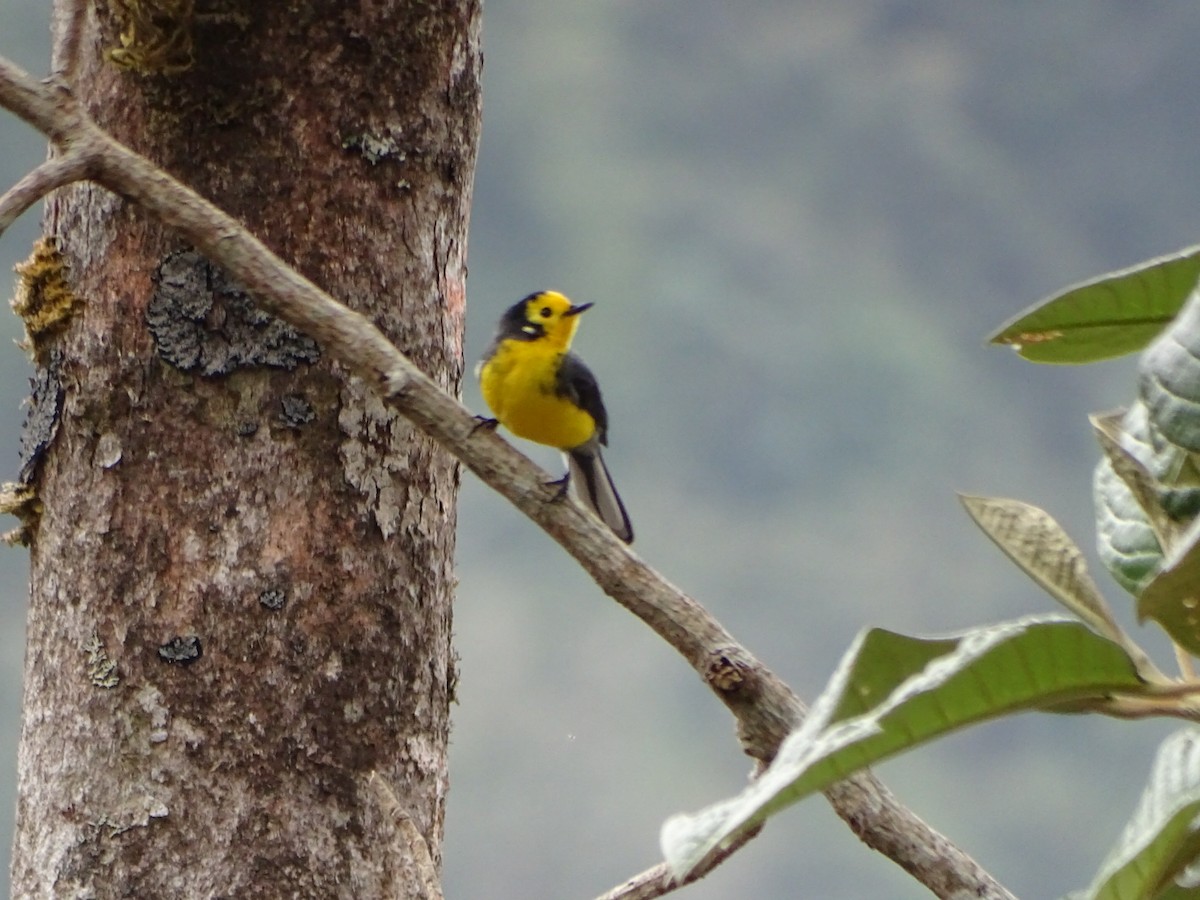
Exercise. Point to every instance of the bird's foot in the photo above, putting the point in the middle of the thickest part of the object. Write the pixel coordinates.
(485, 423)
(562, 484)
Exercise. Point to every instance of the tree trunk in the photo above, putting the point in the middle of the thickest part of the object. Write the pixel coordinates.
(242, 572)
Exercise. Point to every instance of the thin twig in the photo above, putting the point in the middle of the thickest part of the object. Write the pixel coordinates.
(765, 708)
(657, 881)
(56, 172)
(1126, 707)
(69, 16)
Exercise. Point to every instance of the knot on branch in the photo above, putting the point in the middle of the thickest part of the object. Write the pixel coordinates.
(730, 671)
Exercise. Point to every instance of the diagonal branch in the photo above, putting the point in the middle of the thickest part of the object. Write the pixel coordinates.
(56, 172)
(764, 707)
(657, 881)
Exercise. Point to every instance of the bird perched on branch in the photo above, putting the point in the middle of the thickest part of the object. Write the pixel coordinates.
(541, 391)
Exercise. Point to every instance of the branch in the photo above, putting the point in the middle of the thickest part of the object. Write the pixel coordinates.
(68, 30)
(56, 172)
(765, 708)
(657, 881)
(881, 822)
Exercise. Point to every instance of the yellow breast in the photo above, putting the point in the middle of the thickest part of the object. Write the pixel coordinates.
(518, 384)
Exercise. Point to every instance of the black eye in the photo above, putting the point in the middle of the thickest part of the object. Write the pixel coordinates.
(546, 312)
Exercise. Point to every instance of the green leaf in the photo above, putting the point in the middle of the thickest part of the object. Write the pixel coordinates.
(1163, 836)
(1172, 471)
(1124, 536)
(1109, 316)
(1143, 486)
(1172, 597)
(1169, 379)
(891, 693)
(1032, 539)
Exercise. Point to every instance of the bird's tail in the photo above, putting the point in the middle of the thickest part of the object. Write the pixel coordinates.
(595, 487)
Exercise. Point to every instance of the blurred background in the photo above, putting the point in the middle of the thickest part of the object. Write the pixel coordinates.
(798, 222)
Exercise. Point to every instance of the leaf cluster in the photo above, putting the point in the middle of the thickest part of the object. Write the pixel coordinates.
(891, 692)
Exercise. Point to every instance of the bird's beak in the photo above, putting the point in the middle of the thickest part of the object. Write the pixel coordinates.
(576, 310)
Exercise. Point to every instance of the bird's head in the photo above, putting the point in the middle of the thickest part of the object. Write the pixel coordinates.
(546, 315)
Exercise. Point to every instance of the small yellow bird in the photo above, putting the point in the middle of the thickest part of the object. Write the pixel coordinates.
(542, 392)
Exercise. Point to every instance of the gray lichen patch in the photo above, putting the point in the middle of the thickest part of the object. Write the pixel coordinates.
(296, 411)
(44, 409)
(101, 668)
(273, 598)
(374, 454)
(203, 322)
(44, 298)
(181, 650)
(377, 146)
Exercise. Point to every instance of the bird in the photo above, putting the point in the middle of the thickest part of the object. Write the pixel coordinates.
(541, 391)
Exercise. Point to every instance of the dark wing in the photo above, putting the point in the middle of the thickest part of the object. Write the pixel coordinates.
(577, 383)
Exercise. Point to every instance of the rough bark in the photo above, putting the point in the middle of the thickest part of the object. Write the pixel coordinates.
(241, 577)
